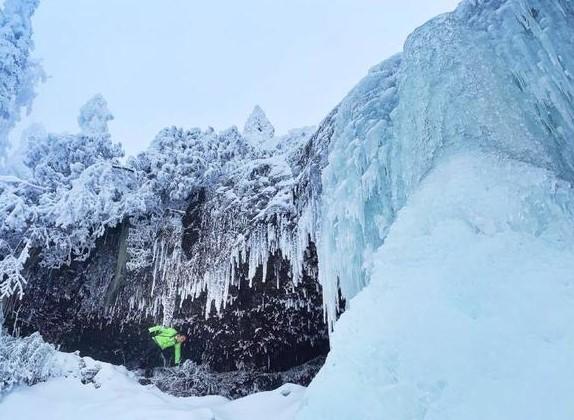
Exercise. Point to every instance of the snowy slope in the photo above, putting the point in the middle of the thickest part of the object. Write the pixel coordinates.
(116, 394)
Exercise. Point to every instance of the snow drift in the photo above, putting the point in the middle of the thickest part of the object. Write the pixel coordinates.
(95, 390)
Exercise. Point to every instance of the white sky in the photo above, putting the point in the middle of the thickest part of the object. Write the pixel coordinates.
(195, 63)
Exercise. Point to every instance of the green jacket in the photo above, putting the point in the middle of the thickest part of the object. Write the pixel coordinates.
(165, 338)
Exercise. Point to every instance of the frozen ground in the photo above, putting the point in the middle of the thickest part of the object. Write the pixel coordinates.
(116, 394)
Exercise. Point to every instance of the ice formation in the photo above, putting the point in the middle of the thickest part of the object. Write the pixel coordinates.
(457, 215)
(472, 292)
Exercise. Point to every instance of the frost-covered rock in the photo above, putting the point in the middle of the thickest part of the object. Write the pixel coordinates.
(178, 234)
(191, 379)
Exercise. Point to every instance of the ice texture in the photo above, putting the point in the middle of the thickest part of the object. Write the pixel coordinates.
(447, 217)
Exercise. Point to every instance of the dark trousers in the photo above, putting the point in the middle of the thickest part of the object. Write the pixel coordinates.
(154, 356)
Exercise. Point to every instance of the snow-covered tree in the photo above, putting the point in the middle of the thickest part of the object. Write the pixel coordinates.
(57, 159)
(180, 161)
(11, 267)
(14, 163)
(76, 190)
(94, 117)
(30, 360)
(19, 73)
(26, 360)
(258, 129)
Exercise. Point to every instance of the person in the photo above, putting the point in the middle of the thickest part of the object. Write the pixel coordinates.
(164, 338)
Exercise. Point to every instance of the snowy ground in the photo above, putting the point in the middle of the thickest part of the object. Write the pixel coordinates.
(116, 394)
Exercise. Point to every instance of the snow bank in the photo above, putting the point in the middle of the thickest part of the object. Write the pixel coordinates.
(115, 393)
(470, 309)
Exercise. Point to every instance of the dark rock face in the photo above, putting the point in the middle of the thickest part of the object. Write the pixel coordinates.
(269, 326)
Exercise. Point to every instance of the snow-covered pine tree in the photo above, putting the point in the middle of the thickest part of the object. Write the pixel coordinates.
(75, 191)
(19, 73)
(258, 129)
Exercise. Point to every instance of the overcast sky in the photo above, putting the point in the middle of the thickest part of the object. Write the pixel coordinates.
(196, 63)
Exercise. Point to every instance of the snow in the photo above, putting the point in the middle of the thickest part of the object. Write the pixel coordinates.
(115, 393)
(258, 129)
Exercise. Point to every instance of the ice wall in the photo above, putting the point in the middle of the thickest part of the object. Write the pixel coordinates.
(469, 310)
(493, 75)
(448, 192)
(355, 206)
